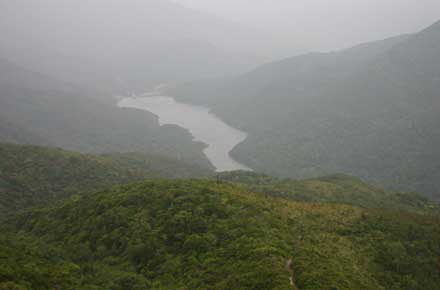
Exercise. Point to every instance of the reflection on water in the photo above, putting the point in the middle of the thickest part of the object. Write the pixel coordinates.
(203, 125)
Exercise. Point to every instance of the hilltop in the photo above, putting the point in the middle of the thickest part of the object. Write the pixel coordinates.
(215, 235)
(34, 176)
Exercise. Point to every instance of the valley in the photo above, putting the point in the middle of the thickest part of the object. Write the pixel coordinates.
(219, 137)
(172, 145)
(367, 111)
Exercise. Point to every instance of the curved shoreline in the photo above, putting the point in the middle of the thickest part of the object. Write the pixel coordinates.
(205, 127)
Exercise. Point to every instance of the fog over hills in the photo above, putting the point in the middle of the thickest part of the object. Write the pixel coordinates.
(371, 111)
(322, 25)
(38, 109)
(123, 45)
(117, 116)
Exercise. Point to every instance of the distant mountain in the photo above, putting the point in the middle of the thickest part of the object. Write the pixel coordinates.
(371, 111)
(123, 45)
(35, 176)
(201, 234)
(41, 110)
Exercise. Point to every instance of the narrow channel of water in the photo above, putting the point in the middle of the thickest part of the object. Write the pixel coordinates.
(204, 126)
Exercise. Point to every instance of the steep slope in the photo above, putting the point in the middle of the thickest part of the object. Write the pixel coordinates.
(122, 45)
(211, 235)
(371, 111)
(32, 176)
(37, 109)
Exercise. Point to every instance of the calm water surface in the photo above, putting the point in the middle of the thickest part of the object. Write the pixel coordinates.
(204, 126)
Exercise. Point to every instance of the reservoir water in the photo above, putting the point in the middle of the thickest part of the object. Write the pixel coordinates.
(205, 127)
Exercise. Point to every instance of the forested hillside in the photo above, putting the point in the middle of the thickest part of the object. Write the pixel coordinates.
(40, 110)
(118, 117)
(64, 228)
(33, 176)
(215, 235)
(333, 189)
(371, 111)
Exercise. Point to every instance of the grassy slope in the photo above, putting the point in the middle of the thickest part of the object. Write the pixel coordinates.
(30, 175)
(216, 235)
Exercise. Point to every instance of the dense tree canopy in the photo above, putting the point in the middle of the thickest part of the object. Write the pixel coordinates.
(216, 235)
(33, 175)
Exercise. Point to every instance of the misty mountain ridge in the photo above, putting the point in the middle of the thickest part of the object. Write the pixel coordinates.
(38, 109)
(370, 111)
(124, 46)
(97, 196)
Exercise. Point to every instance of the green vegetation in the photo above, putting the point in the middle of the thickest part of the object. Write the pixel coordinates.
(40, 110)
(32, 175)
(215, 235)
(240, 230)
(339, 189)
(161, 219)
(371, 111)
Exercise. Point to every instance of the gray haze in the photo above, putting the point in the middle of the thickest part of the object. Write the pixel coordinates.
(130, 44)
(139, 44)
(324, 24)
(370, 111)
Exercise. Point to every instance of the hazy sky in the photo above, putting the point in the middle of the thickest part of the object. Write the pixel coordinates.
(325, 24)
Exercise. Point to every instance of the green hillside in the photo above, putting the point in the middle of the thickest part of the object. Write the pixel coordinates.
(215, 235)
(342, 148)
(31, 175)
(371, 111)
(337, 189)
(40, 110)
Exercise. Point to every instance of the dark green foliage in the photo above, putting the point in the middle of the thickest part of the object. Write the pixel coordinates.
(32, 175)
(338, 188)
(247, 177)
(217, 235)
(28, 264)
